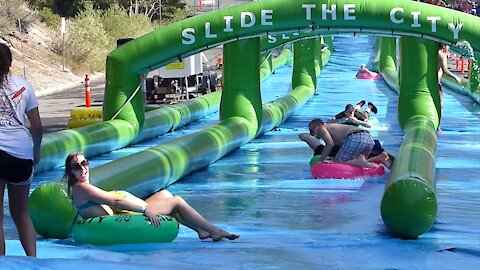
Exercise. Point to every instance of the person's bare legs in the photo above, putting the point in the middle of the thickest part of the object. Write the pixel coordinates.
(360, 161)
(18, 201)
(165, 194)
(2, 235)
(310, 140)
(189, 216)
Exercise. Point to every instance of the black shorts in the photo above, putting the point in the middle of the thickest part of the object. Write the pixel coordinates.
(15, 170)
(319, 149)
(377, 149)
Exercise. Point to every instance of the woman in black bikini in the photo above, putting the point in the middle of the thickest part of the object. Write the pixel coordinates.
(92, 201)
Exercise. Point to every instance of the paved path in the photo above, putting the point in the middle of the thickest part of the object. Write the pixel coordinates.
(55, 108)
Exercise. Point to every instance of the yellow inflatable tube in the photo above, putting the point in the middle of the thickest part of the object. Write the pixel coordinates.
(86, 113)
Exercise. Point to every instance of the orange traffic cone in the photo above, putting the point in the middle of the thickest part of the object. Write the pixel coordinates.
(88, 98)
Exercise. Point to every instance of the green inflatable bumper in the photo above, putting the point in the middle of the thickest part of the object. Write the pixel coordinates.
(51, 210)
(124, 229)
(409, 204)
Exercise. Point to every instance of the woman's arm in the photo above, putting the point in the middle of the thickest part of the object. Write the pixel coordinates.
(36, 131)
(100, 196)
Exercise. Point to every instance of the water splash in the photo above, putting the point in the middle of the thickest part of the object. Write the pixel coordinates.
(475, 68)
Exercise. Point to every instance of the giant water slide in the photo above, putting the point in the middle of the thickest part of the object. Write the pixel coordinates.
(242, 116)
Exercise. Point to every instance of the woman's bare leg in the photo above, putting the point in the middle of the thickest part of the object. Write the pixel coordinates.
(18, 198)
(165, 194)
(189, 216)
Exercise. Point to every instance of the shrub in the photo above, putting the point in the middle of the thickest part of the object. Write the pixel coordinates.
(85, 40)
(11, 13)
(50, 19)
(118, 24)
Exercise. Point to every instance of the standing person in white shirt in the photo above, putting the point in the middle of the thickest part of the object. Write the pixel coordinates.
(19, 149)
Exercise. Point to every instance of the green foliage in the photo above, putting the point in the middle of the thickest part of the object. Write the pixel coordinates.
(85, 41)
(174, 10)
(50, 19)
(93, 27)
(118, 24)
(63, 8)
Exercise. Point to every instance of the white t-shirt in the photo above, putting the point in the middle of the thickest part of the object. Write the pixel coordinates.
(16, 99)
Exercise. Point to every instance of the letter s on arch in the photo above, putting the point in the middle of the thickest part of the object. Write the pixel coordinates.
(188, 37)
(271, 39)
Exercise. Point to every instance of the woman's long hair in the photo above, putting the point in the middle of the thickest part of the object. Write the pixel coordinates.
(69, 177)
(5, 63)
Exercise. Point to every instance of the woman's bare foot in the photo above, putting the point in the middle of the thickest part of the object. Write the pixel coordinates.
(223, 234)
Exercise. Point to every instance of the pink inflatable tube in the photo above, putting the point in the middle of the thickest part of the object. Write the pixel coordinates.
(367, 76)
(344, 171)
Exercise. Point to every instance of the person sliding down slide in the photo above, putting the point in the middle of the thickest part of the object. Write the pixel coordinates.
(366, 74)
(91, 201)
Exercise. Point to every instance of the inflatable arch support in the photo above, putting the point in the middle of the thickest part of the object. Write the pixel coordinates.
(208, 30)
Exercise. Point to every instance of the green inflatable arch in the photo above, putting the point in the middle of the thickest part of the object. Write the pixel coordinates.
(241, 26)
(202, 32)
(304, 18)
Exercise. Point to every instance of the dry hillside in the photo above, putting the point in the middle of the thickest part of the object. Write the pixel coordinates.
(42, 68)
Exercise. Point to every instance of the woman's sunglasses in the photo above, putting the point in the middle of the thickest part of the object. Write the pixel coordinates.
(78, 166)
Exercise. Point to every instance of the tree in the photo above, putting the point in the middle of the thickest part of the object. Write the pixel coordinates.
(164, 10)
(173, 9)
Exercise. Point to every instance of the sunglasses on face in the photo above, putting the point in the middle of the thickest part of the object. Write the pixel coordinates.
(78, 166)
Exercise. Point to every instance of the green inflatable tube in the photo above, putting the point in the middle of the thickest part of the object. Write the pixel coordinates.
(377, 50)
(146, 172)
(418, 80)
(114, 134)
(304, 64)
(51, 210)
(124, 229)
(241, 94)
(265, 64)
(409, 204)
(388, 60)
(317, 56)
(281, 59)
